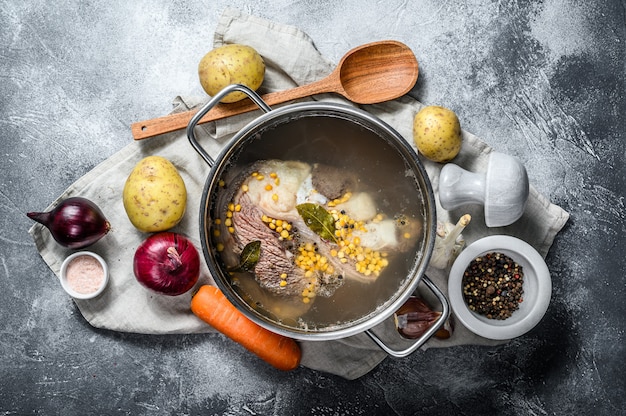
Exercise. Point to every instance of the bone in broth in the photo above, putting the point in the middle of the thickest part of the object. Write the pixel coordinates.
(322, 233)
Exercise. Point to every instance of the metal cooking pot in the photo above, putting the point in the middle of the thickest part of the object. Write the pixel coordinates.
(316, 132)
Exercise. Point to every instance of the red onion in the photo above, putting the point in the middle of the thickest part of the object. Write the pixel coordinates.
(167, 263)
(75, 223)
(414, 318)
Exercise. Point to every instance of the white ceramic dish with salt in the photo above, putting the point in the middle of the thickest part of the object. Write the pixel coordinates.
(87, 283)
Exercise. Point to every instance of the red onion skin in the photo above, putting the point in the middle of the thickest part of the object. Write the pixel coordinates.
(419, 317)
(167, 263)
(75, 223)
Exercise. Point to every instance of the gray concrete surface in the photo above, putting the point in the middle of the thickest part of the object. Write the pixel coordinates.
(541, 80)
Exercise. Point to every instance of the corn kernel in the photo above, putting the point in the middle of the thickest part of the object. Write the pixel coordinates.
(272, 225)
(260, 177)
(265, 218)
(216, 233)
(237, 207)
(220, 247)
(229, 214)
(231, 207)
(273, 175)
(284, 234)
(407, 235)
(218, 221)
(279, 222)
(255, 174)
(244, 188)
(283, 275)
(306, 300)
(333, 252)
(275, 197)
(277, 181)
(283, 283)
(231, 230)
(221, 183)
(268, 187)
(228, 222)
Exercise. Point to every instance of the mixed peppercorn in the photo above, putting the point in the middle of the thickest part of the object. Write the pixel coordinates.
(493, 285)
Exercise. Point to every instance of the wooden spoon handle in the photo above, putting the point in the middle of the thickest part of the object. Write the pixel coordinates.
(172, 122)
(177, 121)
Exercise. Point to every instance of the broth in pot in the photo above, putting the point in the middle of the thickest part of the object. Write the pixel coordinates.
(317, 221)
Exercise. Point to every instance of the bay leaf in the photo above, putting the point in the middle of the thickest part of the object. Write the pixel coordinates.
(249, 257)
(318, 220)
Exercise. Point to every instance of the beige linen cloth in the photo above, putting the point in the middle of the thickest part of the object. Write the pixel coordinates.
(291, 59)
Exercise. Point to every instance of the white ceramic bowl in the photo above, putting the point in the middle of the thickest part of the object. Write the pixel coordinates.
(91, 294)
(537, 288)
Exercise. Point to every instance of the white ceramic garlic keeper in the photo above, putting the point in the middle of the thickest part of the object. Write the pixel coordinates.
(502, 190)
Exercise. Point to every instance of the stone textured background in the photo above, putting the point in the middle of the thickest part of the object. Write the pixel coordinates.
(542, 80)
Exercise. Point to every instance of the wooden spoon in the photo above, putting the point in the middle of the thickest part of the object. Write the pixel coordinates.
(368, 74)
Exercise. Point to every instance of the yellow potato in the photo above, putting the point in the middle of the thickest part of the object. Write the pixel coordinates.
(231, 64)
(154, 195)
(437, 133)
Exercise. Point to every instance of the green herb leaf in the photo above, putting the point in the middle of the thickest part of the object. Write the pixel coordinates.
(249, 257)
(318, 220)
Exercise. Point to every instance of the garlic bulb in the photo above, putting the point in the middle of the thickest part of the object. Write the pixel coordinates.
(449, 242)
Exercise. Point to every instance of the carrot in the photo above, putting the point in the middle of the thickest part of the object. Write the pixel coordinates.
(210, 305)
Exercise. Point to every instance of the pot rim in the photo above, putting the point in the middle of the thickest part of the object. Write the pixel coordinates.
(414, 276)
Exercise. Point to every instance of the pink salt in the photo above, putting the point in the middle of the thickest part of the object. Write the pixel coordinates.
(84, 274)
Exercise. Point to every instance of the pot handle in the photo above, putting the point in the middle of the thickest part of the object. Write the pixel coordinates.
(445, 312)
(212, 103)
